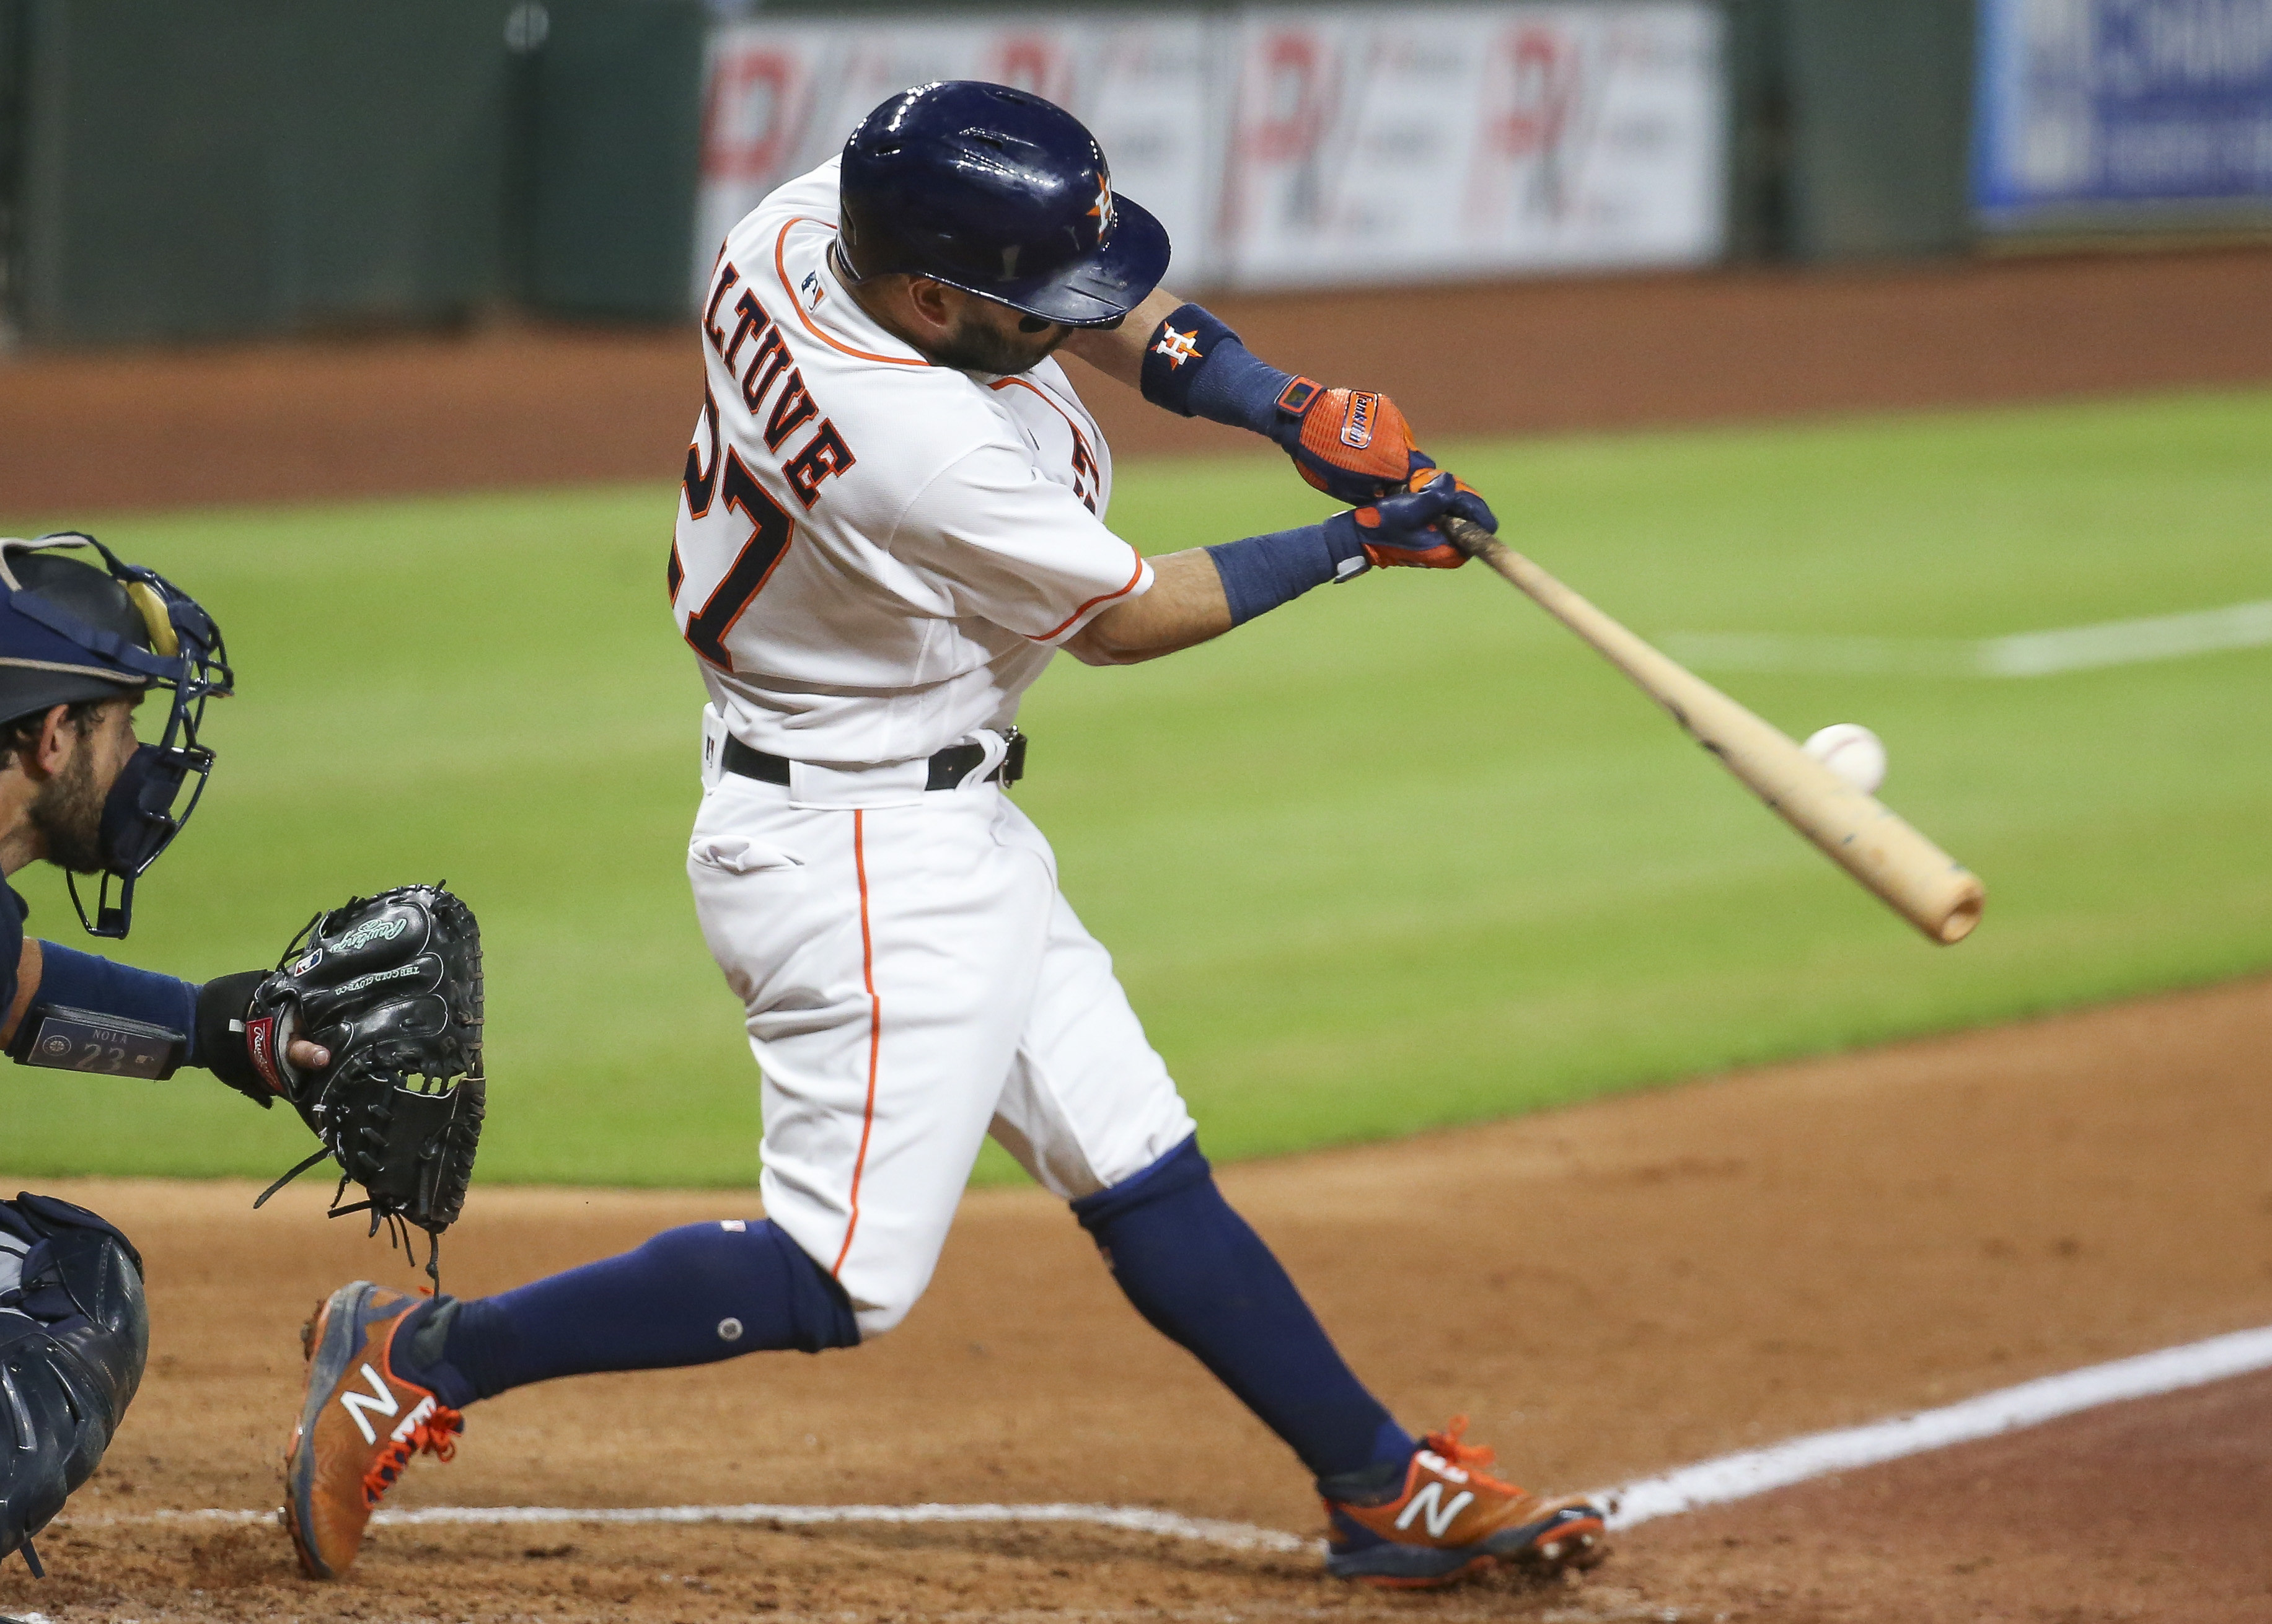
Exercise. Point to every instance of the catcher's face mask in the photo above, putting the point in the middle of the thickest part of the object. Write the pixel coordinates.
(157, 637)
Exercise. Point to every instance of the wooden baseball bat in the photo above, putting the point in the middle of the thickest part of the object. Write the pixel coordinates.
(1915, 878)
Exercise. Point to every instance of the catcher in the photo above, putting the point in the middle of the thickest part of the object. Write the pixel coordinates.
(83, 642)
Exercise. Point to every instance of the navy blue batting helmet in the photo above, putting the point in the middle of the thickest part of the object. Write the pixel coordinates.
(1001, 194)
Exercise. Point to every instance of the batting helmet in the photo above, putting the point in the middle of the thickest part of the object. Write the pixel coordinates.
(69, 631)
(1001, 194)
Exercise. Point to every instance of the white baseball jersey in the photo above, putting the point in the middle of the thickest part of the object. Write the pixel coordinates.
(875, 555)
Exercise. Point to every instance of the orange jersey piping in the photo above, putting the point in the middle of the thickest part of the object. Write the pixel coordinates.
(781, 273)
(875, 1035)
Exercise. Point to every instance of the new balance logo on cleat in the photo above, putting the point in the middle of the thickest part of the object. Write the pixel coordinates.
(1452, 1519)
(361, 1423)
(1424, 1505)
(379, 1401)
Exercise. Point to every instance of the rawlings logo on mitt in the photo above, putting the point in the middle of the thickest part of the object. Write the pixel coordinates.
(391, 985)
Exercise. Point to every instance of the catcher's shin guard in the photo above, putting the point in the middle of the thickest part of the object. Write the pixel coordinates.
(1447, 1519)
(359, 1426)
(74, 1335)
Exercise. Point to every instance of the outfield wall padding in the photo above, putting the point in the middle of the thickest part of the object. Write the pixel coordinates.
(615, 153)
(208, 167)
(1879, 99)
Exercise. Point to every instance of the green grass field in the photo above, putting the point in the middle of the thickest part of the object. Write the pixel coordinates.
(1403, 854)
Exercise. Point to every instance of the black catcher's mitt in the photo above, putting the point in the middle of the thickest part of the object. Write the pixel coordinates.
(391, 985)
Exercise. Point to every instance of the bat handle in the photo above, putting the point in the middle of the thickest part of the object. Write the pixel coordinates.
(1476, 542)
(1469, 537)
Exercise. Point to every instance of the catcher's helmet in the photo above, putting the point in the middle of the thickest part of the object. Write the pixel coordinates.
(69, 631)
(1001, 194)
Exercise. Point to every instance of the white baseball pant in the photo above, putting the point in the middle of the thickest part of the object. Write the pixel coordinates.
(914, 979)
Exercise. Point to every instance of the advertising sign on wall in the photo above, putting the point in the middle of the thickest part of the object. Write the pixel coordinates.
(1290, 148)
(782, 97)
(1379, 143)
(2105, 109)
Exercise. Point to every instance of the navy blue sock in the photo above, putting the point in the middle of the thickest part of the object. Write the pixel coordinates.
(690, 1296)
(1203, 1279)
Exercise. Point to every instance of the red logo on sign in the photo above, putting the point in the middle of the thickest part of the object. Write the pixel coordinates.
(1356, 423)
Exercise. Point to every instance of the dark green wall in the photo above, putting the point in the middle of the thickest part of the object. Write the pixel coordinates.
(1882, 106)
(199, 169)
(613, 156)
(13, 80)
(1852, 122)
(212, 166)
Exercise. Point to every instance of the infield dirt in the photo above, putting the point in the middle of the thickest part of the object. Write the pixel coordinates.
(1610, 1290)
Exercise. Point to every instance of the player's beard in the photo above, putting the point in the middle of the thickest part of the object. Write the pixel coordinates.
(68, 812)
(973, 347)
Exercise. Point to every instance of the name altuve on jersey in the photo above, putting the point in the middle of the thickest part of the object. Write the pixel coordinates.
(824, 455)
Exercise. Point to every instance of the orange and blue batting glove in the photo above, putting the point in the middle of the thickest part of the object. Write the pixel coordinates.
(1353, 444)
(1399, 530)
(1261, 572)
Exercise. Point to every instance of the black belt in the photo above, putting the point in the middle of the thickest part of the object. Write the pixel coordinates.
(948, 768)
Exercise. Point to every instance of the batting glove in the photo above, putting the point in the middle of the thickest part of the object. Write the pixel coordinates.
(1353, 444)
(1399, 532)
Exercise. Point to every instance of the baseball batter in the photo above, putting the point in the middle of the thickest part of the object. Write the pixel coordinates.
(83, 640)
(893, 518)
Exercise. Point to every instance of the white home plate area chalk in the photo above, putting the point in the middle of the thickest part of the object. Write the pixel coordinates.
(1708, 1483)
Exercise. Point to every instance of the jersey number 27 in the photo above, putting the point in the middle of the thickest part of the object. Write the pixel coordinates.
(771, 529)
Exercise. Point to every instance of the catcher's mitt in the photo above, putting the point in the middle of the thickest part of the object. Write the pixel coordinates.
(391, 985)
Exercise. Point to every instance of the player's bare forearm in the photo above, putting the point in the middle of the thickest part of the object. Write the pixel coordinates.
(1186, 607)
(1118, 354)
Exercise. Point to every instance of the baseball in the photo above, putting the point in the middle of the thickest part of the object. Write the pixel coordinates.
(1851, 751)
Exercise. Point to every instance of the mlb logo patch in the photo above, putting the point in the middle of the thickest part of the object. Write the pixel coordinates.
(1357, 422)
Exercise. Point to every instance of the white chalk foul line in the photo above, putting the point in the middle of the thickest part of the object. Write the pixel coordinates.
(2024, 654)
(1755, 1471)
(1134, 1519)
(1709, 1483)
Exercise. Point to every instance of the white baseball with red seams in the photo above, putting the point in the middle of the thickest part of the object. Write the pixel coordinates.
(875, 557)
(1851, 751)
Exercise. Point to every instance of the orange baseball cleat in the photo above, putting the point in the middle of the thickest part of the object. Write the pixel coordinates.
(359, 1427)
(1450, 1519)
